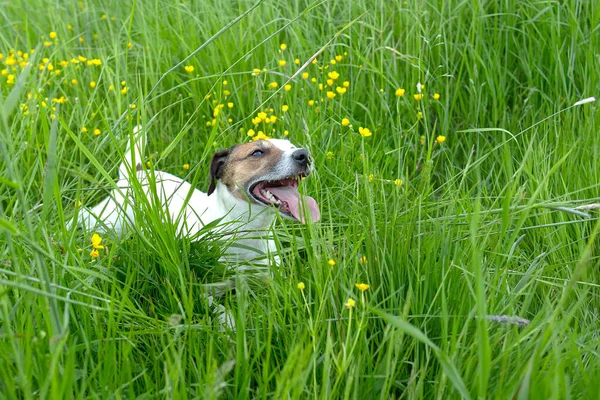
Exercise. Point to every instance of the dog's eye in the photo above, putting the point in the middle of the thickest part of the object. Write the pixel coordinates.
(257, 153)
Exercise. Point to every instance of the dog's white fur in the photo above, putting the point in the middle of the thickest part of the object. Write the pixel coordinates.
(187, 207)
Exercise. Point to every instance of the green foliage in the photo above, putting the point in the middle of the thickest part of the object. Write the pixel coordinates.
(459, 209)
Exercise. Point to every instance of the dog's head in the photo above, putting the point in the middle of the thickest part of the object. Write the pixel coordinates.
(265, 172)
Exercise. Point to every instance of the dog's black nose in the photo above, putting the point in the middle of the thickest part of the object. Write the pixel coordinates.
(300, 156)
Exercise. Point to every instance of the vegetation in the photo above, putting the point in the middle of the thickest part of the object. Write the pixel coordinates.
(458, 188)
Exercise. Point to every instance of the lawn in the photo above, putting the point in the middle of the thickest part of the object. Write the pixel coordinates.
(455, 169)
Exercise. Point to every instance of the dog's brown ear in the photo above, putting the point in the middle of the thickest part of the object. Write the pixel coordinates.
(217, 164)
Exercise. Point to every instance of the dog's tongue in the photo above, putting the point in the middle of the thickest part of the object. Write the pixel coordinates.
(294, 200)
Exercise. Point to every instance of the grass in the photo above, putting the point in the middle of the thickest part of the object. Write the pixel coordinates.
(446, 233)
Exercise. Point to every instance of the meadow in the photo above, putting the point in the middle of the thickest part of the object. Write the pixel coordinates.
(456, 173)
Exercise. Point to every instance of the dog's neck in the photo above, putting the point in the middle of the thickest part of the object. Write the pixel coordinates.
(250, 222)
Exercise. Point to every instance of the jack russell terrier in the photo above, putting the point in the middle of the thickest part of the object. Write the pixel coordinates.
(248, 183)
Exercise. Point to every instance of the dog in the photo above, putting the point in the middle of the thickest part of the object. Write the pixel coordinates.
(248, 184)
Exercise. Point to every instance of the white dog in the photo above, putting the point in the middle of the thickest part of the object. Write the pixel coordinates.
(248, 182)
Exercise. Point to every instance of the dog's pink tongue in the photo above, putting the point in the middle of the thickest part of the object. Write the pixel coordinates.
(294, 199)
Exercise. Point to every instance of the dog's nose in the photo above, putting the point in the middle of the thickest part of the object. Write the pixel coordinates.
(300, 156)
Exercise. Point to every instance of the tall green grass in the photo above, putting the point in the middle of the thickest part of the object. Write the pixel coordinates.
(450, 235)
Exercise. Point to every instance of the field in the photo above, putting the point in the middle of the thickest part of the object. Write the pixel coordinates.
(456, 173)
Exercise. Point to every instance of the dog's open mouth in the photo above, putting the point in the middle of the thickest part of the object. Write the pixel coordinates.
(284, 195)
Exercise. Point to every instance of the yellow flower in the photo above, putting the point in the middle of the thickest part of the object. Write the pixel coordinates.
(364, 132)
(251, 132)
(436, 96)
(273, 85)
(331, 262)
(96, 240)
(346, 84)
(329, 82)
(189, 68)
(81, 59)
(92, 84)
(81, 40)
(332, 61)
(282, 63)
(398, 182)
(60, 100)
(225, 83)
(329, 155)
(330, 95)
(288, 88)
(186, 166)
(229, 105)
(123, 83)
(339, 58)
(371, 178)
(129, 45)
(104, 16)
(52, 35)
(314, 61)
(340, 90)
(350, 304)
(94, 253)
(226, 92)
(333, 75)
(133, 106)
(47, 43)
(111, 88)
(418, 96)
(441, 139)
(260, 135)
(362, 260)
(97, 132)
(148, 164)
(124, 90)
(362, 286)
(84, 130)
(96, 62)
(320, 86)
(400, 92)
(262, 115)
(345, 122)
(285, 107)
(256, 72)
(283, 46)
(301, 286)
(286, 132)
(305, 75)
(311, 103)
(297, 61)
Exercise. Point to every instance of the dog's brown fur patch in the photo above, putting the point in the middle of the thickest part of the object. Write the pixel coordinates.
(242, 168)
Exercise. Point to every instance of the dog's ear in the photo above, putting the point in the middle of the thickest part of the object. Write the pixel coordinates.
(217, 164)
